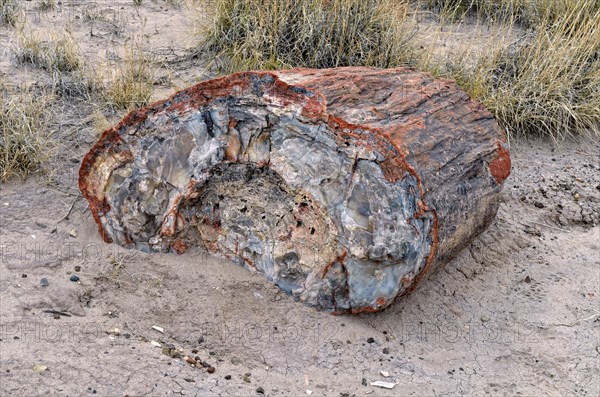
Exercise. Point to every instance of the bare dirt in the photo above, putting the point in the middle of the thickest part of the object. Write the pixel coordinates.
(515, 313)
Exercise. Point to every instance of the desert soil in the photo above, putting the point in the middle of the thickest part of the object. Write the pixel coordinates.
(517, 312)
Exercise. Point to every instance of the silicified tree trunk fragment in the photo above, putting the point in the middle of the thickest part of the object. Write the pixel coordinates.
(345, 187)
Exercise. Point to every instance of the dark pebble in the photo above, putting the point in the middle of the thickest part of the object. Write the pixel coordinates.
(44, 282)
(260, 390)
(24, 275)
(189, 380)
(370, 340)
(74, 278)
(364, 381)
(539, 205)
(201, 339)
(228, 377)
(77, 268)
(210, 370)
(194, 351)
(212, 353)
(386, 350)
(527, 279)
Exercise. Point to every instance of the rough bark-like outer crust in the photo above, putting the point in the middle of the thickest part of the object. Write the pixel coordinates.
(345, 187)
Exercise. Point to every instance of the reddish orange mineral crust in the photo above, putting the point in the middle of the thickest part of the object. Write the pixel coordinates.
(500, 167)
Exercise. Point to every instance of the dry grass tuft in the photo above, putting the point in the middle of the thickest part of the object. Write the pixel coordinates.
(546, 83)
(528, 13)
(24, 138)
(57, 54)
(46, 5)
(10, 13)
(269, 34)
(129, 84)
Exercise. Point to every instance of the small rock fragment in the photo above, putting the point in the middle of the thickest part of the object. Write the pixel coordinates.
(155, 343)
(190, 360)
(73, 233)
(370, 340)
(385, 374)
(74, 278)
(386, 350)
(77, 268)
(39, 368)
(171, 351)
(309, 392)
(44, 282)
(210, 370)
(228, 377)
(385, 385)
(159, 329)
(364, 381)
(260, 390)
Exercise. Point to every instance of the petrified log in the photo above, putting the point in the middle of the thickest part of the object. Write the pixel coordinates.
(344, 187)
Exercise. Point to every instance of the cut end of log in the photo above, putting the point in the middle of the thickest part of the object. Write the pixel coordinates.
(344, 187)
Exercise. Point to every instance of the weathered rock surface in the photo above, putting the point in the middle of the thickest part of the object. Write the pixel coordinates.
(344, 187)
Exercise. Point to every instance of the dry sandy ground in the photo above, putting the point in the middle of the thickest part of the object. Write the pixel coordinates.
(516, 313)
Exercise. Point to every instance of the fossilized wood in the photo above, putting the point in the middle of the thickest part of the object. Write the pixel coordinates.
(344, 187)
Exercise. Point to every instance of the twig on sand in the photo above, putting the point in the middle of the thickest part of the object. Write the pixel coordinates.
(55, 186)
(57, 312)
(66, 217)
(550, 226)
(578, 321)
